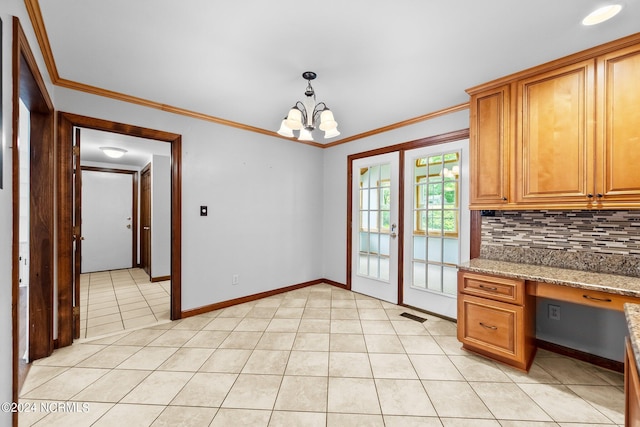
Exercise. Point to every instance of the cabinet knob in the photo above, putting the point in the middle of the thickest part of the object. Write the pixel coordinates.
(599, 195)
(590, 196)
(504, 198)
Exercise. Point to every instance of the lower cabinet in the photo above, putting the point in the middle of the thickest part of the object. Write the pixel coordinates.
(496, 324)
(631, 388)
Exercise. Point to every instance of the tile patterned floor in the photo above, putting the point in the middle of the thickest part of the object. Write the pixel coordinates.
(112, 301)
(318, 356)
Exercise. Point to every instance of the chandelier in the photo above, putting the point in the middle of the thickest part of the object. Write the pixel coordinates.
(304, 116)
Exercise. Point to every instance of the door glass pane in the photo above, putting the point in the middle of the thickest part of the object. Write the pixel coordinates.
(450, 280)
(434, 277)
(384, 268)
(434, 250)
(451, 251)
(375, 221)
(419, 275)
(419, 247)
(436, 222)
(384, 244)
(364, 178)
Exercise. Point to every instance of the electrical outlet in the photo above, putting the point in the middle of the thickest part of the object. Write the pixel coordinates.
(554, 312)
(235, 279)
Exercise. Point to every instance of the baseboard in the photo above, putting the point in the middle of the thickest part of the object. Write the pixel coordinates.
(248, 298)
(603, 362)
(160, 279)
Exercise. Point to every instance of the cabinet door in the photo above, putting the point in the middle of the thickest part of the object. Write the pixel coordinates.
(554, 144)
(492, 328)
(488, 147)
(618, 155)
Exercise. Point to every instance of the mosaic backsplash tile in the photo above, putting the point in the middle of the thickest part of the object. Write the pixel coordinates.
(599, 241)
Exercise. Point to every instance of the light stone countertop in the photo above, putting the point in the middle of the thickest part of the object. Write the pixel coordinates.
(632, 314)
(612, 283)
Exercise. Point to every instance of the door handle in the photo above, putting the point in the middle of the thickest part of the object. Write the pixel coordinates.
(146, 228)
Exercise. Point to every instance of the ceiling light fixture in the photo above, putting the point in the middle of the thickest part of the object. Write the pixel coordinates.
(602, 14)
(113, 152)
(304, 116)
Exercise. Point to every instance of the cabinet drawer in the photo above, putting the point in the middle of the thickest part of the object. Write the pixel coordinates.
(494, 287)
(582, 296)
(490, 326)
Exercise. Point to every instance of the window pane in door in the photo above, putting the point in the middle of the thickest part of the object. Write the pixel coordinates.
(436, 221)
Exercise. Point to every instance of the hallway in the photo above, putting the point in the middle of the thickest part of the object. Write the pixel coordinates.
(117, 300)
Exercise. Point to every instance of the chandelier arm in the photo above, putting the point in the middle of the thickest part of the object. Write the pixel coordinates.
(319, 108)
(300, 106)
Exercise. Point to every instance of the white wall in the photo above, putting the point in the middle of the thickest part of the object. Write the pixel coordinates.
(335, 183)
(6, 225)
(160, 216)
(264, 196)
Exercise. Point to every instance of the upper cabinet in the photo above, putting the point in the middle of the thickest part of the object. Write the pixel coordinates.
(489, 138)
(618, 128)
(554, 142)
(564, 135)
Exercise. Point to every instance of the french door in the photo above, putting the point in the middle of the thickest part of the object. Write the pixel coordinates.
(436, 225)
(374, 255)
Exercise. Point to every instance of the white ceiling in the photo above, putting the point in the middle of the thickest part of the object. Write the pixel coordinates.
(378, 62)
(139, 150)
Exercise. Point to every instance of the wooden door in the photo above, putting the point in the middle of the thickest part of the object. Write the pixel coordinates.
(145, 219)
(489, 148)
(554, 143)
(618, 152)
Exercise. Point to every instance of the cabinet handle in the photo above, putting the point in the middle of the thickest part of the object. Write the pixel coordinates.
(597, 299)
(488, 288)
(590, 196)
(493, 328)
(504, 198)
(599, 195)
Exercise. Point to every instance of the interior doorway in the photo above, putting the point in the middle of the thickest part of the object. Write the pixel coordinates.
(32, 311)
(70, 231)
(112, 290)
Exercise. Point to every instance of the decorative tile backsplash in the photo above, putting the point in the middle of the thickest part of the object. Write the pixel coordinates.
(598, 241)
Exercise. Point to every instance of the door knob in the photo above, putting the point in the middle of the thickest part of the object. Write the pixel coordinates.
(128, 225)
(393, 235)
(145, 228)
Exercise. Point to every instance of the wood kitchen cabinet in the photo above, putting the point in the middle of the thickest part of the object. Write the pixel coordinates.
(489, 147)
(554, 143)
(492, 319)
(563, 135)
(618, 126)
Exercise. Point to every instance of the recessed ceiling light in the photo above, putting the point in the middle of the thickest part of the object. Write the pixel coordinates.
(113, 152)
(602, 14)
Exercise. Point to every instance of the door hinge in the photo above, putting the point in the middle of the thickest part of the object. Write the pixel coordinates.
(76, 232)
(76, 311)
(76, 150)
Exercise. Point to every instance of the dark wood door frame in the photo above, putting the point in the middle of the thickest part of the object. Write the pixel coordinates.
(145, 212)
(66, 123)
(401, 149)
(29, 87)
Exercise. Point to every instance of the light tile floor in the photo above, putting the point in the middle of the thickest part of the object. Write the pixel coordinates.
(317, 356)
(117, 300)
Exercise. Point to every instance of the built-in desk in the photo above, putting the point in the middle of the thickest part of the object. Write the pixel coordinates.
(503, 328)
